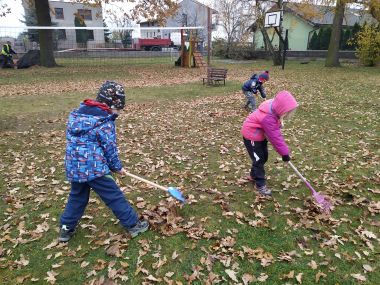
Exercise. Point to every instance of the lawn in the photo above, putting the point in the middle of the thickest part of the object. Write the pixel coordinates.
(175, 131)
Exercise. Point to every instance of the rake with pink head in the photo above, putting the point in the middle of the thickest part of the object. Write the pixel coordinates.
(321, 200)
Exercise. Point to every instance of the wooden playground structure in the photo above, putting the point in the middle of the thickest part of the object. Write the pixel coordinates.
(191, 56)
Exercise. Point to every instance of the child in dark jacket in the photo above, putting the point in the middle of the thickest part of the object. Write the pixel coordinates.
(262, 125)
(250, 88)
(91, 156)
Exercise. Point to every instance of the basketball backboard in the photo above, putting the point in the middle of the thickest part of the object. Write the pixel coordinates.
(272, 19)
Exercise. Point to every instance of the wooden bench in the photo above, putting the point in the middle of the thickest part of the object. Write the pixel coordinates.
(215, 76)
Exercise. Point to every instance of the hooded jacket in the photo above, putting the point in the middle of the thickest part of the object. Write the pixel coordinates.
(91, 149)
(265, 121)
(254, 85)
(7, 50)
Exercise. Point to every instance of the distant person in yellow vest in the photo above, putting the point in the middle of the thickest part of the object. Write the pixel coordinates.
(6, 56)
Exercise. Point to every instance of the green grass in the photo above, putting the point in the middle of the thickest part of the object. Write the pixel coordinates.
(176, 131)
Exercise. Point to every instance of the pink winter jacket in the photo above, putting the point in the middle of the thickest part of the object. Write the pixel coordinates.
(265, 121)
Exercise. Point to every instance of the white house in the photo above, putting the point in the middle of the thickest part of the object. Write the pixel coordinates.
(191, 13)
(63, 15)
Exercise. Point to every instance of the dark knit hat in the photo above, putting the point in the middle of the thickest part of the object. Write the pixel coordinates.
(112, 94)
(264, 75)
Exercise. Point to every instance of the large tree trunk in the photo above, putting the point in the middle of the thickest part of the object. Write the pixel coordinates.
(280, 43)
(45, 36)
(332, 59)
(276, 56)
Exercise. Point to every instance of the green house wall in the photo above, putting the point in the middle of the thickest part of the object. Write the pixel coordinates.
(298, 34)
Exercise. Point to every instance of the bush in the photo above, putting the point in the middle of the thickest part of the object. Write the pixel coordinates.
(236, 50)
(314, 42)
(219, 48)
(368, 45)
(241, 51)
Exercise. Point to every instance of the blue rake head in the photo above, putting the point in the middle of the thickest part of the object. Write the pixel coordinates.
(176, 193)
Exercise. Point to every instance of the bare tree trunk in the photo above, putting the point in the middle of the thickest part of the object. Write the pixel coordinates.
(276, 57)
(45, 36)
(228, 46)
(332, 59)
(280, 43)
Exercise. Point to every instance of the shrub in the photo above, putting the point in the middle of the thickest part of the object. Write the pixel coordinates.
(219, 47)
(368, 45)
(236, 50)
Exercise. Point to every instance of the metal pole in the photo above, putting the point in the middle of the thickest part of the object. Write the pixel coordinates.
(285, 46)
(208, 36)
(182, 48)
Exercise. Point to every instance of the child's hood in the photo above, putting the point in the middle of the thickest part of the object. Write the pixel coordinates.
(80, 123)
(254, 76)
(283, 102)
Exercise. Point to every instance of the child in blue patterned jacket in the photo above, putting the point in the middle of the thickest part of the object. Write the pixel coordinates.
(91, 156)
(250, 88)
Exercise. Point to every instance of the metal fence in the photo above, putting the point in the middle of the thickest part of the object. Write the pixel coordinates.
(101, 44)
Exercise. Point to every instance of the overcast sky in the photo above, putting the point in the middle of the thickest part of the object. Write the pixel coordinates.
(17, 12)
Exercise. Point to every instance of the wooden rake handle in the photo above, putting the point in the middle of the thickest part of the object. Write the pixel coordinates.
(303, 179)
(146, 181)
(296, 171)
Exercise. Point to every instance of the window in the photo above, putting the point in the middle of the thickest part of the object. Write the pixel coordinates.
(184, 19)
(58, 13)
(61, 34)
(85, 14)
(90, 34)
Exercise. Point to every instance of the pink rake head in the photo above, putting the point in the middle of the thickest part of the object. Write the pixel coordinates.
(319, 198)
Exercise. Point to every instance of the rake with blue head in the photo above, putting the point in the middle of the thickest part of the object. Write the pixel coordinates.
(173, 191)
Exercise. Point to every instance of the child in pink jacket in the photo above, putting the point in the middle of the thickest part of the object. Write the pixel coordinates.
(262, 125)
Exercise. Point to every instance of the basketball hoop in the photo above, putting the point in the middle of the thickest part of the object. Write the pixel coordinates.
(272, 19)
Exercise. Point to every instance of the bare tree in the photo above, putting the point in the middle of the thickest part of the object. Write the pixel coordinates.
(234, 16)
(4, 9)
(260, 9)
(121, 21)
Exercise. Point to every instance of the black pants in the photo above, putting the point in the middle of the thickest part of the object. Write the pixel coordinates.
(258, 152)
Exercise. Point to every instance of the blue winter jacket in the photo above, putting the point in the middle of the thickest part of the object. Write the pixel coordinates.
(254, 85)
(91, 149)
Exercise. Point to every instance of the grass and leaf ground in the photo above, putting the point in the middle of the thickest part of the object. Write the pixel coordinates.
(177, 132)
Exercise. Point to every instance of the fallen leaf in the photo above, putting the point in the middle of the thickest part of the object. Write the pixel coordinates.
(152, 278)
(299, 278)
(359, 277)
(51, 277)
(290, 275)
(313, 264)
(174, 255)
(231, 274)
(114, 250)
(263, 277)
(84, 264)
(367, 268)
(248, 278)
(319, 275)
(124, 264)
(21, 279)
